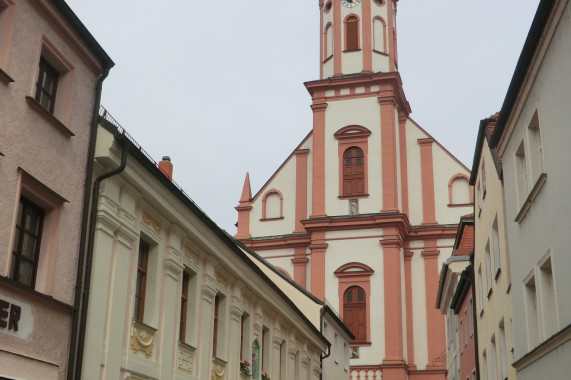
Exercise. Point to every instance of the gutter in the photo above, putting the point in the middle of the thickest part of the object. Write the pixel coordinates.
(75, 321)
(321, 314)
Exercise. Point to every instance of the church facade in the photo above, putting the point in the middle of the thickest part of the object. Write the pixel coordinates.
(365, 210)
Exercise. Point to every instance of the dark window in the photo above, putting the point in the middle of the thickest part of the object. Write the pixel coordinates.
(46, 86)
(355, 312)
(353, 172)
(27, 240)
(215, 335)
(184, 305)
(352, 33)
(141, 285)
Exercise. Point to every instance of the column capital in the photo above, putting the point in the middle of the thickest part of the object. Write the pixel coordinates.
(319, 107)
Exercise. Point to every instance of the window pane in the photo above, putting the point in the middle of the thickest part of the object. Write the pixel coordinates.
(360, 295)
(349, 296)
(29, 247)
(25, 273)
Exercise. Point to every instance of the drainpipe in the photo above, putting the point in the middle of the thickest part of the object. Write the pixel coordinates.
(84, 225)
(89, 253)
(474, 317)
(321, 314)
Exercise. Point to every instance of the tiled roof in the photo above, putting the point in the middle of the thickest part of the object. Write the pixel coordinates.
(466, 241)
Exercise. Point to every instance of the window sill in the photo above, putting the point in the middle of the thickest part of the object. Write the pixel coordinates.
(351, 51)
(490, 292)
(328, 58)
(460, 204)
(271, 219)
(359, 196)
(498, 272)
(8, 283)
(531, 197)
(360, 344)
(49, 117)
(380, 53)
(4, 77)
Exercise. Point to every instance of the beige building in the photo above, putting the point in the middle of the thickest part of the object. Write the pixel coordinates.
(491, 261)
(51, 71)
(532, 136)
(173, 296)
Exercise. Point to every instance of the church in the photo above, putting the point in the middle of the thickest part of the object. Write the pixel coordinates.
(365, 210)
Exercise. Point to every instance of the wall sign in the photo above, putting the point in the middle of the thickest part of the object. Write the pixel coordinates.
(16, 317)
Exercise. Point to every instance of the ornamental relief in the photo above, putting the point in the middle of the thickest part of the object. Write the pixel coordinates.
(151, 222)
(191, 256)
(217, 371)
(142, 338)
(186, 358)
(222, 280)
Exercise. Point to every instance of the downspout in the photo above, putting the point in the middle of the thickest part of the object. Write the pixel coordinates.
(72, 359)
(89, 253)
(474, 318)
(321, 314)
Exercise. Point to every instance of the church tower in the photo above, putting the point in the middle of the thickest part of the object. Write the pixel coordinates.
(365, 210)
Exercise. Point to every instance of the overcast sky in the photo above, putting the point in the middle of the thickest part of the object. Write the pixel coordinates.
(218, 85)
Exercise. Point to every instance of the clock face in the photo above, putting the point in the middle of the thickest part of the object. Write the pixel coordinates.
(350, 3)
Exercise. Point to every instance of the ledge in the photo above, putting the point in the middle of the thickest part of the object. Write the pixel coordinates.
(4, 77)
(49, 117)
(359, 196)
(555, 341)
(531, 197)
(7, 283)
(271, 219)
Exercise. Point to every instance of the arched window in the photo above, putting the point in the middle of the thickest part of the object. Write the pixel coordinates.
(355, 312)
(379, 35)
(353, 172)
(272, 205)
(351, 33)
(328, 42)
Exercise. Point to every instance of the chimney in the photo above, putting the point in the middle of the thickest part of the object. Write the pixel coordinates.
(166, 167)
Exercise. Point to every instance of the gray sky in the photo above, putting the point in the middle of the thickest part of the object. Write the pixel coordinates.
(218, 85)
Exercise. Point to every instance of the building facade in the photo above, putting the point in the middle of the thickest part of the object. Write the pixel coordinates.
(174, 297)
(51, 70)
(532, 137)
(455, 301)
(366, 208)
(492, 261)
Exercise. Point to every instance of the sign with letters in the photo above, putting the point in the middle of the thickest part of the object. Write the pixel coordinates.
(15, 317)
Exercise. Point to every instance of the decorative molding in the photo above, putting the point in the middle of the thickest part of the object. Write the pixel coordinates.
(186, 357)
(192, 257)
(151, 222)
(218, 369)
(222, 279)
(142, 338)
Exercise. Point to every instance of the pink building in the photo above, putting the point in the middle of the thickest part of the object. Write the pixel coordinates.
(365, 209)
(51, 70)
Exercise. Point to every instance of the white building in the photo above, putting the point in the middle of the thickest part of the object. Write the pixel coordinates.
(174, 297)
(532, 136)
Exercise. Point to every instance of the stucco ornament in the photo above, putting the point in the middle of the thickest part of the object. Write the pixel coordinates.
(142, 338)
(152, 222)
(217, 372)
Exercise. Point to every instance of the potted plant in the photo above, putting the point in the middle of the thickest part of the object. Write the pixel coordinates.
(265, 376)
(246, 367)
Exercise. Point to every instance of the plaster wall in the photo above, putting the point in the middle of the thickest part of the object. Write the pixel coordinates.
(496, 306)
(542, 231)
(284, 182)
(340, 114)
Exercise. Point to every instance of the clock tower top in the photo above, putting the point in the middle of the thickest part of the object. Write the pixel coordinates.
(357, 36)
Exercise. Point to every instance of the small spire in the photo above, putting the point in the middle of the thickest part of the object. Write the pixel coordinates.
(246, 190)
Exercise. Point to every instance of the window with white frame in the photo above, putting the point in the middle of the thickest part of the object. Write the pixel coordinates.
(488, 268)
(496, 247)
(521, 174)
(480, 290)
(535, 148)
(494, 359)
(532, 319)
(503, 357)
(547, 297)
